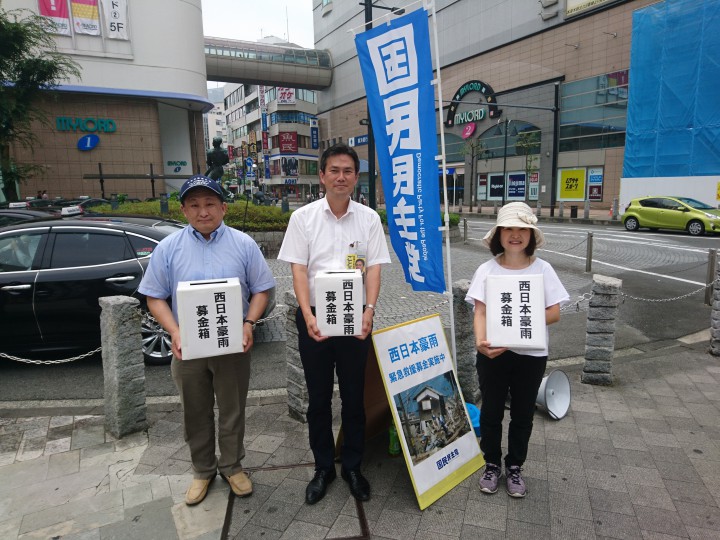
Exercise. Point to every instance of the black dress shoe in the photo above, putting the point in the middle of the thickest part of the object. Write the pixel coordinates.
(359, 486)
(315, 490)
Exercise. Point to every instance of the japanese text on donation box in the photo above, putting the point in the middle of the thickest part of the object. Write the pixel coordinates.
(339, 302)
(515, 311)
(434, 429)
(210, 314)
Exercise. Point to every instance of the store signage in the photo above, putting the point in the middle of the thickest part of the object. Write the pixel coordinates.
(454, 118)
(469, 129)
(91, 125)
(315, 134)
(291, 181)
(88, 142)
(576, 7)
(358, 141)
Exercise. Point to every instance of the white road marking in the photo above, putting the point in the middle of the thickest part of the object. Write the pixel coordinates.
(625, 268)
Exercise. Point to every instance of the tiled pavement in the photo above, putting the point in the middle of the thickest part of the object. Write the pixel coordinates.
(640, 459)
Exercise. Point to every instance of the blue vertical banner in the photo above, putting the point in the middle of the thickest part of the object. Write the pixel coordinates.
(395, 61)
(314, 134)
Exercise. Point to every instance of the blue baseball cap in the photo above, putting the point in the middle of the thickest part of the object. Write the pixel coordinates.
(200, 181)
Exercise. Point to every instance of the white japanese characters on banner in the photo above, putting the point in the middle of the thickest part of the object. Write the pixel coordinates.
(396, 65)
(435, 432)
(210, 315)
(116, 19)
(57, 12)
(339, 302)
(515, 311)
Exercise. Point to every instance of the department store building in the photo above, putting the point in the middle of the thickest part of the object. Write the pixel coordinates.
(506, 68)
(135, 114)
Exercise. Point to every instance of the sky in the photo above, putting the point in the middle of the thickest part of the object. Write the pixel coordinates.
(251, 20)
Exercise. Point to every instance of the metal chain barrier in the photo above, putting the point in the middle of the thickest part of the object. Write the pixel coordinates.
(38, 362)
(658, 300)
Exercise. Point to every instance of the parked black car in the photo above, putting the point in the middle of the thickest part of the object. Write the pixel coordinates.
(10, 216)
(52, 273)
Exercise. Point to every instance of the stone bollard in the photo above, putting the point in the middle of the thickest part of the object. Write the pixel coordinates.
(297, 395)
(465, 342)
(560, 209)
(600, 338)
(538, 212)
(715, 315)
(495, 208)
(123, 366)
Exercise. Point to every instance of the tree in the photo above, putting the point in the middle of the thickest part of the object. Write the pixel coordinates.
(29, 65)
(473, 148)
(528, 143)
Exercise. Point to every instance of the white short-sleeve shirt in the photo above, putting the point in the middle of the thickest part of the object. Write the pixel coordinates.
(317, 239)
(555, 293)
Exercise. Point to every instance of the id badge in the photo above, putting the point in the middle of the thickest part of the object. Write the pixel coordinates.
(356, 258)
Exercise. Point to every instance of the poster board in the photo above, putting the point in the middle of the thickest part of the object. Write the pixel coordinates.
(210, 315)
(515, 311)
(436, 435)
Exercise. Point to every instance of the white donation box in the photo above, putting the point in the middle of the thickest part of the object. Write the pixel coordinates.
(515, 311)
(339, 302)
(210, 314)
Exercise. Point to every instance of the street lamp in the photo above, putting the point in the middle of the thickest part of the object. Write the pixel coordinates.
(368, 5)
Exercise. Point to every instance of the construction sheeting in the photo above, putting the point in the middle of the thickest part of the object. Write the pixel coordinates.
(673, 121)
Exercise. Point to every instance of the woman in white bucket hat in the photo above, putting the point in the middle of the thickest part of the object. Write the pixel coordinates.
(513, 241)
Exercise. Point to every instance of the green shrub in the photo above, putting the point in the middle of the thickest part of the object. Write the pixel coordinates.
(257, 218)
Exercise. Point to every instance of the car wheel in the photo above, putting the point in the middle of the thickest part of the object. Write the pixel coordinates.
(632, 224)
(696, 228)
(156, 343)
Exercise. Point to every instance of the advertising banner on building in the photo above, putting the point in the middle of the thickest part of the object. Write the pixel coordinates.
(533, 186)
(57, 12)
(516, 186)
(571, 184)
(116, 19)
(285, 96)
(396, 65)
(497, 185)
(288, 142)
(436, 436)
(86, 17)
(481, 187)
(595, 183)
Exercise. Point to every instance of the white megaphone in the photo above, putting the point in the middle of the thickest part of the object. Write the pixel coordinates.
(554, 394)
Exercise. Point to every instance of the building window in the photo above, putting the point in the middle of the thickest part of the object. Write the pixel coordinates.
(593, 112)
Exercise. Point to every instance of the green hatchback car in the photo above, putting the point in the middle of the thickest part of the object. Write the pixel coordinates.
(679, 213)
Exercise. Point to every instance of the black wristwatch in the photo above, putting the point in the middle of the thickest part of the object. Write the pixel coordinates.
(252, 323)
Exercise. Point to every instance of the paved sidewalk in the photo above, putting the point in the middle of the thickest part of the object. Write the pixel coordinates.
(640, 459)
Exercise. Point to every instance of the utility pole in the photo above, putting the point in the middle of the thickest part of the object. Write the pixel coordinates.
(505, 163)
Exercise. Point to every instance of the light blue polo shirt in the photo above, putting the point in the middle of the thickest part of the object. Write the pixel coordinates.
(187, 256)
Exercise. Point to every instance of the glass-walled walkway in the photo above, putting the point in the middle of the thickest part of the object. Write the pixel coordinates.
(237, 61)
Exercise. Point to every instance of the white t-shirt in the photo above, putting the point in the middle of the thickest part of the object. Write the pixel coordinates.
(555, 293)
(324, 243)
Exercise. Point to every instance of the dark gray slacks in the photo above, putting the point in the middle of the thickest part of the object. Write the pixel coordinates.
(200, 383)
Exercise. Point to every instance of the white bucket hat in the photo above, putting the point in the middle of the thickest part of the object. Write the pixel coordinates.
(516, 214)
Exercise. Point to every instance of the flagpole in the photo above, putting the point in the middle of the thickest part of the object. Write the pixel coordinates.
(438, 83)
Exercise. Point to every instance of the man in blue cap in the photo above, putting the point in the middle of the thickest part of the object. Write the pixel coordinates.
(209, 249)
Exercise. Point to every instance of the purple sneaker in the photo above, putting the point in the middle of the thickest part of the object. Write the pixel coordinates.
(490, 478)
(515, 483)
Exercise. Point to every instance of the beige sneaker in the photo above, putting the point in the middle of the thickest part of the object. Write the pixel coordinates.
(197, 491)
(240, 484)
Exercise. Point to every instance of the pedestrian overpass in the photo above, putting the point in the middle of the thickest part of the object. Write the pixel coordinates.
(235, 61)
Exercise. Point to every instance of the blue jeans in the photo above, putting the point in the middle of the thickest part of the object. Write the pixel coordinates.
(520, 375)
